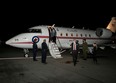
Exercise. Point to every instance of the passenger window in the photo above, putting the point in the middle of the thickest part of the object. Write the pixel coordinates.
(81, 35)
(71, 34)
(61, 34)
(66, 34)
(89, 35)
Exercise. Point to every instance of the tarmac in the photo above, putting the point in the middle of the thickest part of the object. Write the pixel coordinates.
(14, 68)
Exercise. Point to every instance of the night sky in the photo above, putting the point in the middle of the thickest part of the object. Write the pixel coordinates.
(19, 16)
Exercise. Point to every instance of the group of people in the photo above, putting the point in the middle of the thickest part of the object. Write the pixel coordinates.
(52, 38)
(75, 50)
(86, 50)
(44, 51)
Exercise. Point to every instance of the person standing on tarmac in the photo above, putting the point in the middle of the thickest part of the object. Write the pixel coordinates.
(35, 48)
(75, 49)
(94, 52)
(85, 49)
(44, 51)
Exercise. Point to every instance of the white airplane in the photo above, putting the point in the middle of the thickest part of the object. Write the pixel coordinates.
(64, 38)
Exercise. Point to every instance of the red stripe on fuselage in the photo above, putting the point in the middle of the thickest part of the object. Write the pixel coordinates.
(59, 37)
(21, 43)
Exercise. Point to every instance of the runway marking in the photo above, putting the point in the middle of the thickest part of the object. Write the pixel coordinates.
(20, 58)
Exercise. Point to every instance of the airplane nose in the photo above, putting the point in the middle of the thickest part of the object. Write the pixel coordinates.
(7, 42)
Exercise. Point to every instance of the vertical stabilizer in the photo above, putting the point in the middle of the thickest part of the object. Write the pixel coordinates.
(112, 25)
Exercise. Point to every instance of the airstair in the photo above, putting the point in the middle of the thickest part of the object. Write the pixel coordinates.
(54, 50)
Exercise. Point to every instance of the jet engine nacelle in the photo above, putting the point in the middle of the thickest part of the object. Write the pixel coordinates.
(103, 33)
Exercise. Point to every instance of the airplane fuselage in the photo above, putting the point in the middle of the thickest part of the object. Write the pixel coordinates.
(64, 37)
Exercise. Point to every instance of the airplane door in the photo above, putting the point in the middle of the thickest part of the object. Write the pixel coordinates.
(49, 31)
(52, 34)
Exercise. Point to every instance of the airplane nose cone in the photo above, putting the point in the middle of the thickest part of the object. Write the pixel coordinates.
(7, 42)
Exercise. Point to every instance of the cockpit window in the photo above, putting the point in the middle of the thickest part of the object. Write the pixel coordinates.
(35, 30)
(16, 39)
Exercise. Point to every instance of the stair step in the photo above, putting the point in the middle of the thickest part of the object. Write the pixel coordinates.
(54, 51)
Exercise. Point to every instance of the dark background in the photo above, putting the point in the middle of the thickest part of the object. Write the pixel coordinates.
(17, 16)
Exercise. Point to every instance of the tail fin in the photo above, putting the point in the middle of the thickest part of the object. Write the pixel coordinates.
(112, 25)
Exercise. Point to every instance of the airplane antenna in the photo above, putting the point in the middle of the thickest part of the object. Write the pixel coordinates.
(83, 27)
(53, 25)
(73, 26)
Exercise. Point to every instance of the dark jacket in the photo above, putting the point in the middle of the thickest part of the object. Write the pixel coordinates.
(34, 46)
(94, 50)
(44, 46)
(77, 46)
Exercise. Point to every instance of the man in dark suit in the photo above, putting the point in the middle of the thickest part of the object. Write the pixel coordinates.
(44, 51)
(54, 34)
(50, 38)
(75, 50)
(94, 53)
(34, 50)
